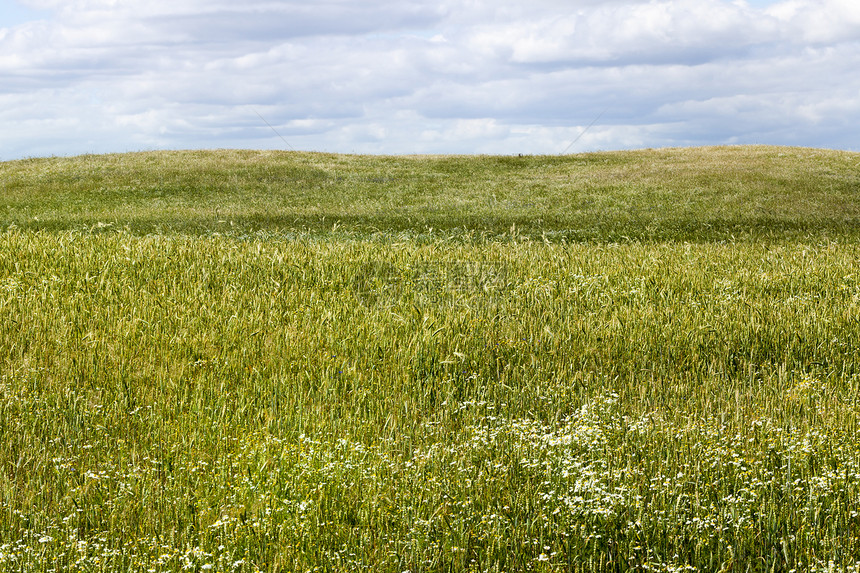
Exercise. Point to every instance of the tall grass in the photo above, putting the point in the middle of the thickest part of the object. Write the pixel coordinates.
(194, 396)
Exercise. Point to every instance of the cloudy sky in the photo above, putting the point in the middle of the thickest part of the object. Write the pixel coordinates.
(426, 76)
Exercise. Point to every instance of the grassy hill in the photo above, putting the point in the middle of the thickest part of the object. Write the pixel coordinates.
(259, 361)
(673, 194)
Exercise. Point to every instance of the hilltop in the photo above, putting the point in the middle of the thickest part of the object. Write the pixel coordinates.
(686, 194)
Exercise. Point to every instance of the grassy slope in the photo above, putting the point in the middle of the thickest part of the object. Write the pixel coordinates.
(196, 369)
(676, 194)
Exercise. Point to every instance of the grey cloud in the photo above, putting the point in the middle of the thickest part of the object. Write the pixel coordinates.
(287, 20)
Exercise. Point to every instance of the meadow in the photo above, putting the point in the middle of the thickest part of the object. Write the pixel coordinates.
(247, 361)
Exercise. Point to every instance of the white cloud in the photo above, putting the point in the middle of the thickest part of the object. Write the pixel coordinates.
(404, 76)
(823, 22)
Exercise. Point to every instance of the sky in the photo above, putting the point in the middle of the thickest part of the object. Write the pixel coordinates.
(426, 76)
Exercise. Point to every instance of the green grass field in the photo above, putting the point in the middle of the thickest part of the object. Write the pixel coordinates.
(248, 361)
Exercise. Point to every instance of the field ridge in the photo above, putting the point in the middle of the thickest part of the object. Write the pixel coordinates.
(683, 194)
